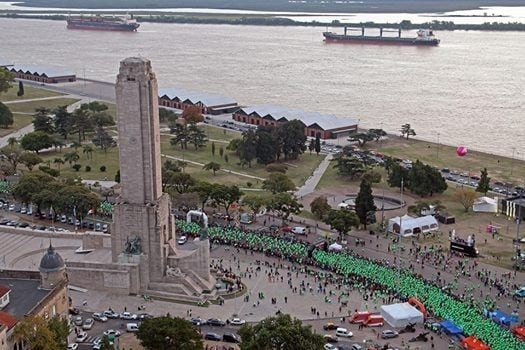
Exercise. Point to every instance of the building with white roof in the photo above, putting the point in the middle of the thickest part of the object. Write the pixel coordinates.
(49, 75)
(326, 125)
(209, 104)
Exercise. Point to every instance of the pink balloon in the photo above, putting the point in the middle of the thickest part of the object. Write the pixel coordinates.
(462, 151)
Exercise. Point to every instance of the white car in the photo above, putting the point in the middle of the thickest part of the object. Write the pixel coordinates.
(132, 327)
(72, 346)
(128, 316)
(182, 240)
(237, 321)
(12, 207)
(111, 314)
(329, 346)
(88, 324)
(81, 337)
(299, 230)
(343, 332)
(98, 316)
(112, 332)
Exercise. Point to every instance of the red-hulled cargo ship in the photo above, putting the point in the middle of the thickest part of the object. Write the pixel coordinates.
(97, 22)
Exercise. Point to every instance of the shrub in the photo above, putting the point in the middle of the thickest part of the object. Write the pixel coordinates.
(249, 184)
(50, 171)
(276, 168)
(88, 168)
(102, 168)
(77, 167)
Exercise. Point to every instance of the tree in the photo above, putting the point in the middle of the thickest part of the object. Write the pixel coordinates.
(82, 121)
(6, 77)
(221, 152)
(196, 136)
(35, 333)
(225, 196)
(193, 114)
(277, 168)
(372, 176)
(6, 117)
(377, 133)
(212, 166)
(76, 199)
(117, 176)
(42, 120)
(20, 91)
(317, 143)
(292, 139)
(406, 131)
(166, 115)
(181, 182)
(63, 121)
(311, 146)
(349, 166)
(320, 207)
(247, 150)
(341, 220)
(11, 156)
(71, 157)
(181, 135)
(30, 160)
(364, 202)
(255, 203)
(234, 145)
(103, 139)
(465, 197)
(284, 204)
(105, 344)
(12, 142)
(267, 144)
(484, 182)
(167, 333)
(88, 151)
(60, 329)
(425, 180)
(396, 175)
(361, 138)
(204, 190)
(58, 162)
(280, 333)
(36, 141)
(278, 182)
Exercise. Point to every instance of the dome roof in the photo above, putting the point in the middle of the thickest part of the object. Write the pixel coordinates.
(51, 261)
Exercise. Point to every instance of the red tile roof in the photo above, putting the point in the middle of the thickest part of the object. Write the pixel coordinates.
(4, 291)
(7, 320)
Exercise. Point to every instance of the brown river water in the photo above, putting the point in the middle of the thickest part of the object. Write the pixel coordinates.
(470, 89)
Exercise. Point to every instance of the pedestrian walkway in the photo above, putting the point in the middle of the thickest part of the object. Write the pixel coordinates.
(310, 184)
(35, 99)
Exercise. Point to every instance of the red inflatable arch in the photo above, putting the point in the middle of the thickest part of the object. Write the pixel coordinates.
(418, 305)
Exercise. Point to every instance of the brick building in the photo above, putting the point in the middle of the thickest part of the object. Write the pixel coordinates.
(327, 126)
(47, 75)
(209, 104)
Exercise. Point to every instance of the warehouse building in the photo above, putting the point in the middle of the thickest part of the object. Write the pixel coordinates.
(209, 104)
(47, 75)
(326, 126)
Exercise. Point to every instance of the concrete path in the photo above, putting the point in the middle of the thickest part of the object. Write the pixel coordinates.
(224, 170)
(35, 99)
(310, 184)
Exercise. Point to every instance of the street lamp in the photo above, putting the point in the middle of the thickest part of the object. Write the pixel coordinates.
(437, 148)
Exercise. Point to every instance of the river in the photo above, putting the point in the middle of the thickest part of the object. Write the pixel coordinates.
(470, 89)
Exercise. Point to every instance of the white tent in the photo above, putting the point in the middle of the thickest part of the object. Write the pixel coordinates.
(335, 247)
(485, 205)
(400, 315)
(408, 225)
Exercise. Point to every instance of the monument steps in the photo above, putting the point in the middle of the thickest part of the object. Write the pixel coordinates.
(175, 288)
(203, 284)
(175, 297)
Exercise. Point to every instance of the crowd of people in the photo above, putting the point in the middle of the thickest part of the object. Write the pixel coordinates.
(384, 279)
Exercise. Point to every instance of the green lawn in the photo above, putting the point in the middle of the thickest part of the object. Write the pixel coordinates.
(29, 107)
(29, 93)
(20, 120)
(215, 133)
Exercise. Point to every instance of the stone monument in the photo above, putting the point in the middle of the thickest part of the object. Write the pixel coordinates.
(143, 230)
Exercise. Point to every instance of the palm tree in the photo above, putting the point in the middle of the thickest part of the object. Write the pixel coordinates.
(88, 151)
(58, 162)
(71, 157)
(182, 164)
(76, 145)
(12, 142)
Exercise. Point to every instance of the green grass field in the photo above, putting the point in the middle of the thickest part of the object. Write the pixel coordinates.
(20, 120)
(29, 107)
(29, 93)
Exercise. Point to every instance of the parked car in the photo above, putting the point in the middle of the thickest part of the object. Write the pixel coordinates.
(299, 230)
(182, 240)
(72, 346)
(81, 337)
(78, 321)
(132, 327)
(215, 322)
(231, 338)
(98, 316)
(144, 316)
(329, 326)
(212, 336)
(111, 314)
(197, 321)
(88, 324)
(112, 332)
(237, 321)
(128, 316)
(343, 332)
(98, 227)
(520, 292)
(330, 338)
(357, 347)
(105, 228)
(74, 311)
(329, 346)
(387, 334)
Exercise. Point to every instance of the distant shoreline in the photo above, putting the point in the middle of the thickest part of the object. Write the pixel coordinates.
(279, 21)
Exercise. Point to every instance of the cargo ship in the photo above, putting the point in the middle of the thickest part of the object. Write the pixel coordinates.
(96, 22)
(425, 37)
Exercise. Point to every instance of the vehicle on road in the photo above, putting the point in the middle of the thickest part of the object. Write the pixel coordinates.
(72, 346)
(98, 316)
(388, 333)
(343, 332)
(112, 332)
(128, 316)
(215, 322)
(329, 326)
(81, 337)
(132, 327)
(231, 338)
(88, 324)
(374, 321)
(330, 338)
(144, 316)
(357, 347)
(197, 321)
(182, 240)
(359, 317)
(111, 314)
(212, 336)
(329, 346)
(299, 230)
(237, 321)
(520, 293)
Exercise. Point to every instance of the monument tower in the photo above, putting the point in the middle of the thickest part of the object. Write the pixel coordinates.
(143, 230)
